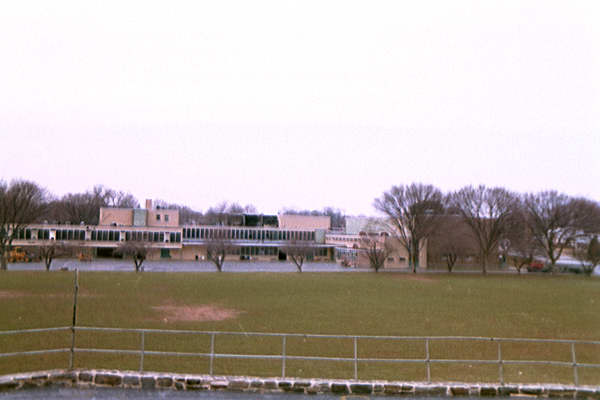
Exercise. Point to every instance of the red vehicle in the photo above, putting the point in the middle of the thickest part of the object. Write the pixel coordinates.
(536, 266)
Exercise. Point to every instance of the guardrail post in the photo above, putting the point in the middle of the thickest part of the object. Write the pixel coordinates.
(74, 322)
(212, 353)
(575, 376)
(355, 358)
(500, 364)
(427, 360)
(142, 340)
(283, 357)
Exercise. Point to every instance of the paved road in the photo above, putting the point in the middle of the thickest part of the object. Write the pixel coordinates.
(229, 266)
(180, 266)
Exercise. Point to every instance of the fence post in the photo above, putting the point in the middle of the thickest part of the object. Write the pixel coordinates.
(283, 357)
(500, 364)
(142, 340)
(212, 353)
(355, 358)
(427, 360)
(575, 376)
(75, 290)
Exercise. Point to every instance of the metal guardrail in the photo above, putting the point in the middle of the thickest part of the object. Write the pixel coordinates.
(283, 356)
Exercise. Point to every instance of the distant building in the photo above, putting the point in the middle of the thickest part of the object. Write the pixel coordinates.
(249, 236)
(349, 244)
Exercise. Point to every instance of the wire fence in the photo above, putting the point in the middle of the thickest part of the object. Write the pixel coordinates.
(280, 353)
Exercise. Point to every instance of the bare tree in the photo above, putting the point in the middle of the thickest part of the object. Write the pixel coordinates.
(518, 244)
(85, 207)
(298, 251)
(554, 220)
(49, 250)
(217, 246)
(588, 255)
(136, 249)
(221, 213)
(120, 199)
(21, 202)
(375, 248)
(587, 214)
(487, 212)
(451, 241)
(188, 215)
(413, 212)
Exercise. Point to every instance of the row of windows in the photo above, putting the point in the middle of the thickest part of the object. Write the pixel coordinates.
(111, 236)
(69, 234)
(166, 216)
(24, 234)
(145, 236)
(99, 235)
(343, 238)
(246, 234)
(268, 251)
(347, 253)
(44, 234)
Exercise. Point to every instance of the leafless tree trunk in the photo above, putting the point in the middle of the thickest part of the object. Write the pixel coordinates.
(451, 241)
(218, 246)
(50, 250)
(518, 243)
(137, 250)
(487, 212)
(413, 212)
(376, 248)
(21, 202)
(298, 251)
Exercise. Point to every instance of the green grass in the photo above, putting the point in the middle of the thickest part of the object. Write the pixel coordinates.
(325, 303)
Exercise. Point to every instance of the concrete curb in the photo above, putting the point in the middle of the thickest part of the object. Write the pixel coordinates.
(83, 378)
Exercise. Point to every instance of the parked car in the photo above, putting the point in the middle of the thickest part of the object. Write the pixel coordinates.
(575, 268)
(537, 266)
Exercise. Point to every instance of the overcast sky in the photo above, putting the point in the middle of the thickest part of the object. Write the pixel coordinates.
(300, 103)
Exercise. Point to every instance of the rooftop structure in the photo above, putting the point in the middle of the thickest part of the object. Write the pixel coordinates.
(149, 216)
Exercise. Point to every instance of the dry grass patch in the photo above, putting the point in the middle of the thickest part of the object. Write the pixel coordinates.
(12, 294)
(201, 313)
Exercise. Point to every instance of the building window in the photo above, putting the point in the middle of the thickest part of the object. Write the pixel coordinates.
(166, 218)
(158, 217)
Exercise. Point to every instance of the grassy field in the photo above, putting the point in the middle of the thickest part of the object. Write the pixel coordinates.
(325, 303)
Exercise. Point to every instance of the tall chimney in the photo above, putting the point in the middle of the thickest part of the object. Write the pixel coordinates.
(148, 204)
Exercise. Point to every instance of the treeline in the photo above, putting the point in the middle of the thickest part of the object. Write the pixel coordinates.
(491, 222)
(75, 208)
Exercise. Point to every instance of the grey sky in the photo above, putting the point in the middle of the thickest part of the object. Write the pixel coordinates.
(300, 103)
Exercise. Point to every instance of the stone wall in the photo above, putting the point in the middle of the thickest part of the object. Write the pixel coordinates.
(158, 381)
